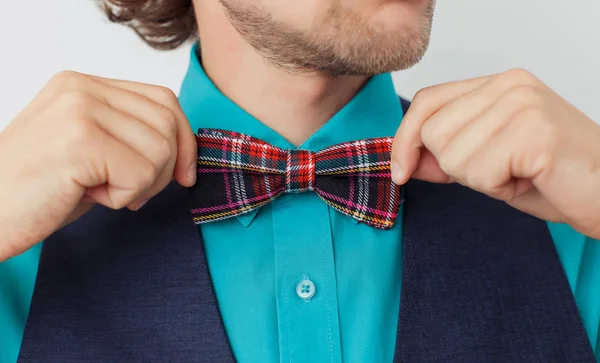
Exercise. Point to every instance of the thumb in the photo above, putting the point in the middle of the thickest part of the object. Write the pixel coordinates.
(406, 154)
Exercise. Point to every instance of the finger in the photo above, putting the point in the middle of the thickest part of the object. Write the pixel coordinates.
(154, 114)
(493, 171)
(185, 166)
(114, 174)
(473, 136)
(428, 169)
(405, 149)
(487, 168)
(145, 140)
(185, 142)
(452, 118)
(163, 151)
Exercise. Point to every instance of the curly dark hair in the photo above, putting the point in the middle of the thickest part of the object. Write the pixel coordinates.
(162, 24)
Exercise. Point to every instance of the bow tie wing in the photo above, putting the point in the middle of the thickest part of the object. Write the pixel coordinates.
(236, 174)
(355, 179)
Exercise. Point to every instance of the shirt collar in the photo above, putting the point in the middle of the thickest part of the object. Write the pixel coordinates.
(374, 112)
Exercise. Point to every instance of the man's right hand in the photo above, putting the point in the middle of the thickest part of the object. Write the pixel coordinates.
(86, 140)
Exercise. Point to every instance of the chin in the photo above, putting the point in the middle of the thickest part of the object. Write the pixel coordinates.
(396, 39)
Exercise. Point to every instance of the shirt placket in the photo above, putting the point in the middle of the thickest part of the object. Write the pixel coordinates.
(307, 303)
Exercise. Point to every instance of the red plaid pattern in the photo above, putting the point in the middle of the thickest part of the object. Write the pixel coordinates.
(299, 171)
(238, 173)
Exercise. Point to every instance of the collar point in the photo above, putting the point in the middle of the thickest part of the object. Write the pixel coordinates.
(247, 218)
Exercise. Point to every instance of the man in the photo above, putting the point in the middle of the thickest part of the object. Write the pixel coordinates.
(303, 274)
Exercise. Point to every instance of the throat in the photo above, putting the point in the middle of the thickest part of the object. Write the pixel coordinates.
(294, 105)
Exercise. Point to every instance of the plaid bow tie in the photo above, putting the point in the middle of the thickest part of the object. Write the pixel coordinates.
(238, 173)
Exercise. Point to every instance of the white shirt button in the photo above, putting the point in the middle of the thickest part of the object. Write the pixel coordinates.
(306, 289)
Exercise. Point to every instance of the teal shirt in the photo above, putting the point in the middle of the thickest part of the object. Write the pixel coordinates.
(257, 260)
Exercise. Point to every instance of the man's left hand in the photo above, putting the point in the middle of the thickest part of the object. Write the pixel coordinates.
(511, 137)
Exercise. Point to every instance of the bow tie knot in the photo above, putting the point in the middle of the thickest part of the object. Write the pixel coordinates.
(300, 171)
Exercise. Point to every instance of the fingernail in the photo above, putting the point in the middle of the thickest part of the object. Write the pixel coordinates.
(397, 172)
(191, 174)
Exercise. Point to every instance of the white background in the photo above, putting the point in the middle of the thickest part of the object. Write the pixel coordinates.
(559, 41)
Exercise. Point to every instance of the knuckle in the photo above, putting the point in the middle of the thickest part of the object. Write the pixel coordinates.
(422, 95)
(437, 135)
(485, 184)
(520, 76)
(75, 101)
(523, 95)
(66, 79)
(167, 116)
(147, 176)
(166, 96)
(448, 164)
(483, 179)
(165, 151)
(74, 109)
(430, 134)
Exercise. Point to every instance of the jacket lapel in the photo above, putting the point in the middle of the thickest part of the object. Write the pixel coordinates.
(482, 282)
(119, 286)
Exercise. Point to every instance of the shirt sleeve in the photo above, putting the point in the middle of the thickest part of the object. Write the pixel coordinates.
(17, 278)
(580, 257)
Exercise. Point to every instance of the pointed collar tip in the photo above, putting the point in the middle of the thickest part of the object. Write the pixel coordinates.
(247, 218)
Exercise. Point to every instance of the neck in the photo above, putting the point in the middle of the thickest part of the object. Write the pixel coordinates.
(293, 105)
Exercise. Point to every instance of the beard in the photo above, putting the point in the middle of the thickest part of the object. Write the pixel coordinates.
(343, 44)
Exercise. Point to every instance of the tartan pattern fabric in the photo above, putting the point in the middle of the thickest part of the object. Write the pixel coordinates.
(299, 171)
(238, 173)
